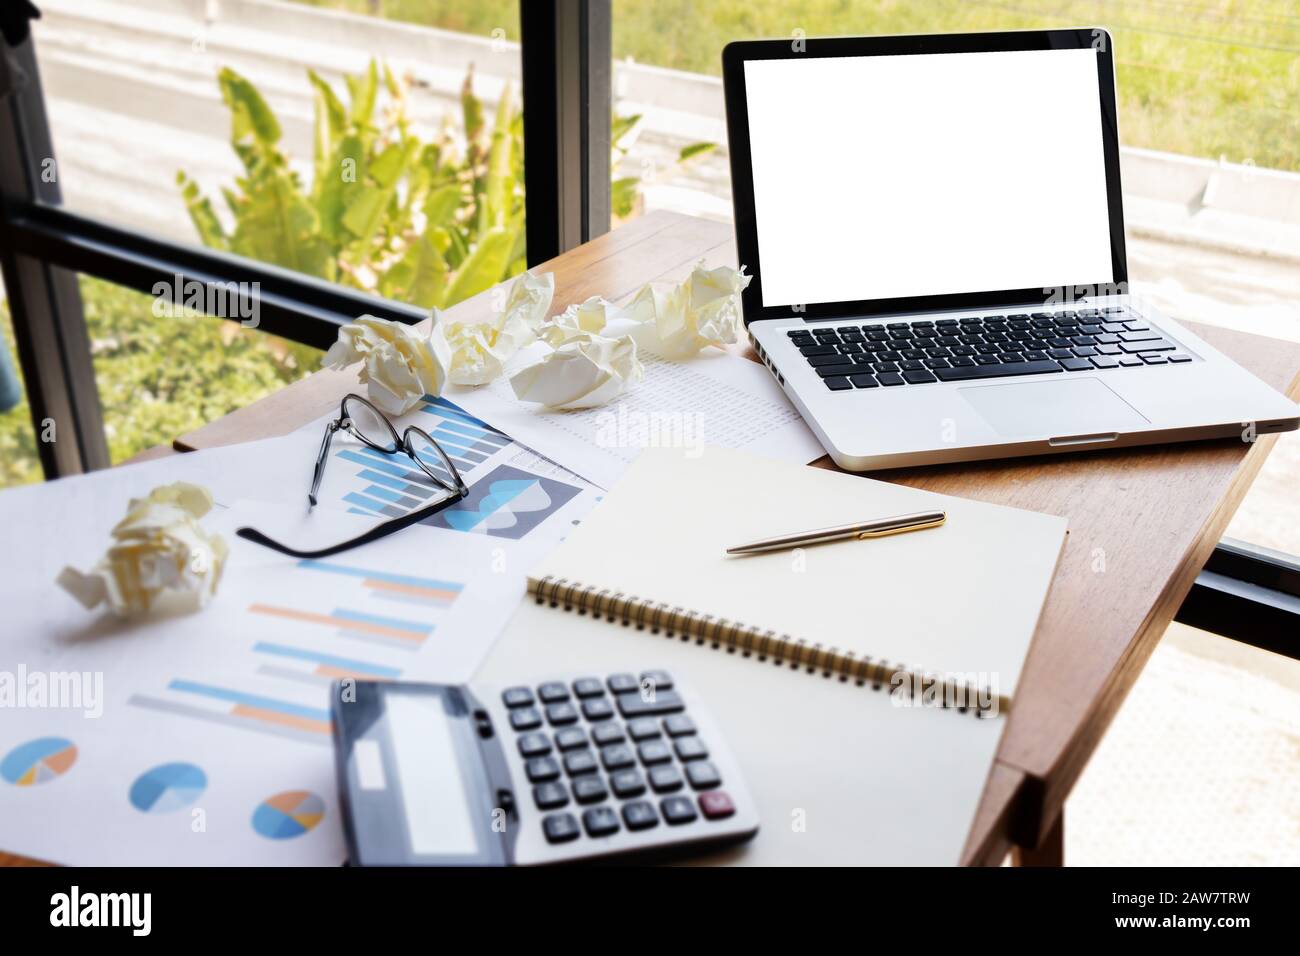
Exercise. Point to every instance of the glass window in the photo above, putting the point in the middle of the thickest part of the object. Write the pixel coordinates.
(163, 370)
(19, 462)
(318, 136)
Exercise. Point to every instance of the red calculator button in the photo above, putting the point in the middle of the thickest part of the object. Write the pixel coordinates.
(716, 805)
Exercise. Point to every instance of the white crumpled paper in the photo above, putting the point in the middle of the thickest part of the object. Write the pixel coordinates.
(158, 548)
(585, 371)
(480, 350)
(704, 310)
(401, 364)
(589, 318)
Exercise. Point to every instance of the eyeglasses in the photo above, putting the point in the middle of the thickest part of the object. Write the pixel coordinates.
(369, 425)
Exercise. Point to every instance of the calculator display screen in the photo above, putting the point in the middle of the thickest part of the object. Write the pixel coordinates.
(432, 782)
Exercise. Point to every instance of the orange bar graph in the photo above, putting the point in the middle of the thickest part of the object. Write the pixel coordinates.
(362, 626)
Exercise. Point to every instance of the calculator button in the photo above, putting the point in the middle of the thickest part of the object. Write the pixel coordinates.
(589, 789)
(588, 687)
(678, 810)
(702, 775)
(627, 783)
(570, 737)
(607, 734)
(660, 680)
(550, 796)
(643, 728)
(654, 751)
(597, 708)
(665, 779)
(534, 745)
(562, 713)
(560, 827)
(690, 748)
(600, 821)
(617, 757)
(619, 683)
(678, 725)
(660, 702)
(580, 761)
(552, 692)
(525, 718)
(640, 815)
(716, 805)
(542, 769)
(517, 696)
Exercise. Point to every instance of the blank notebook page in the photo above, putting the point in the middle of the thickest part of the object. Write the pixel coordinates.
(963, 598)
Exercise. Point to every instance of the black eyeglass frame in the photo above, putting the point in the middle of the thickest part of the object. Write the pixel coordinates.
(400, 443)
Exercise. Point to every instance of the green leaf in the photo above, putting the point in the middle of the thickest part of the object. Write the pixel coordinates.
(471, 108)
(620, 126)
(419, 277)
(345, 172)
(694, 150)
(336, 113)
(363, 90)
(622, 195)
(365, 206)
(442, 203)
(276, 224)
(498, 185)
(328, 127)
(251, 120)
(388, 166)
(204, 217)
(484, 267)
(391, 82)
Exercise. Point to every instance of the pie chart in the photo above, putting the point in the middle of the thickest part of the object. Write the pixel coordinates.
(168, 787)
(38, 761)
(288, 814)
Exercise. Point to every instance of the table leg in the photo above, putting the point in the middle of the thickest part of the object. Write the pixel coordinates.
(1050, 852)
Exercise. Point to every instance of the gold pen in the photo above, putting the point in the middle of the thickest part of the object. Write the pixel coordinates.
(877, 528)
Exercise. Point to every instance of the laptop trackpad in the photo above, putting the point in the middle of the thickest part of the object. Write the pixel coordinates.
(1060, 408)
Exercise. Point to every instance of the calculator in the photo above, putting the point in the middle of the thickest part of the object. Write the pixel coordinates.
(575, 768)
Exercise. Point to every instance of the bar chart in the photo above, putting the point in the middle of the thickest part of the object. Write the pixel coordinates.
(316, 667)
(407, 627)
(240, 708)
(388, 485)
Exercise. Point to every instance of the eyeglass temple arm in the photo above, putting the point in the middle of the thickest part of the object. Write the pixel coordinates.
(321, 458)
(374, 534)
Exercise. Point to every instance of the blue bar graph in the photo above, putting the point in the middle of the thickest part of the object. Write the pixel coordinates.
(248, 700)
(390, 486)
(329, 660)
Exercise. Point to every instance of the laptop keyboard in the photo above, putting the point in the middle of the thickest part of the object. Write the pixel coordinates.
(991, 346)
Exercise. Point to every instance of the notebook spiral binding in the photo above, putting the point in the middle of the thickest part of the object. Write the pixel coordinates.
(618, 607)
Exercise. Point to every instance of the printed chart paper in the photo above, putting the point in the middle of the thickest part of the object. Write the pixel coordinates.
(204, 738)
(715, 399)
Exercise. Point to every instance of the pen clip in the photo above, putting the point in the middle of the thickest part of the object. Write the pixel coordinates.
(902, 529)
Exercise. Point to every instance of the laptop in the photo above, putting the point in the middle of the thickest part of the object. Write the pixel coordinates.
(936, 237)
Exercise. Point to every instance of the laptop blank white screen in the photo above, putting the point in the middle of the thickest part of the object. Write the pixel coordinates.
(878, 177)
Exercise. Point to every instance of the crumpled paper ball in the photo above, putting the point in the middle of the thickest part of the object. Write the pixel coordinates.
(528, 300)
(401, 364)
(480, 350)
(692, 315)
(158, 548)
(589, 318)
(585, 371)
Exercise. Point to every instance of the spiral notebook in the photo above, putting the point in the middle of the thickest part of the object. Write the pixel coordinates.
(948, 611)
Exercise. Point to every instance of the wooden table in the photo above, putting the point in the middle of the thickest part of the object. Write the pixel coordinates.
(1142, 523)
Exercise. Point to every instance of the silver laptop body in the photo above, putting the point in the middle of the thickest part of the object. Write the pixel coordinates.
(935, 233)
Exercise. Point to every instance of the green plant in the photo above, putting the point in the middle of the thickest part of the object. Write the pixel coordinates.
(430, 223)
(158, 377)
(625, 191)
